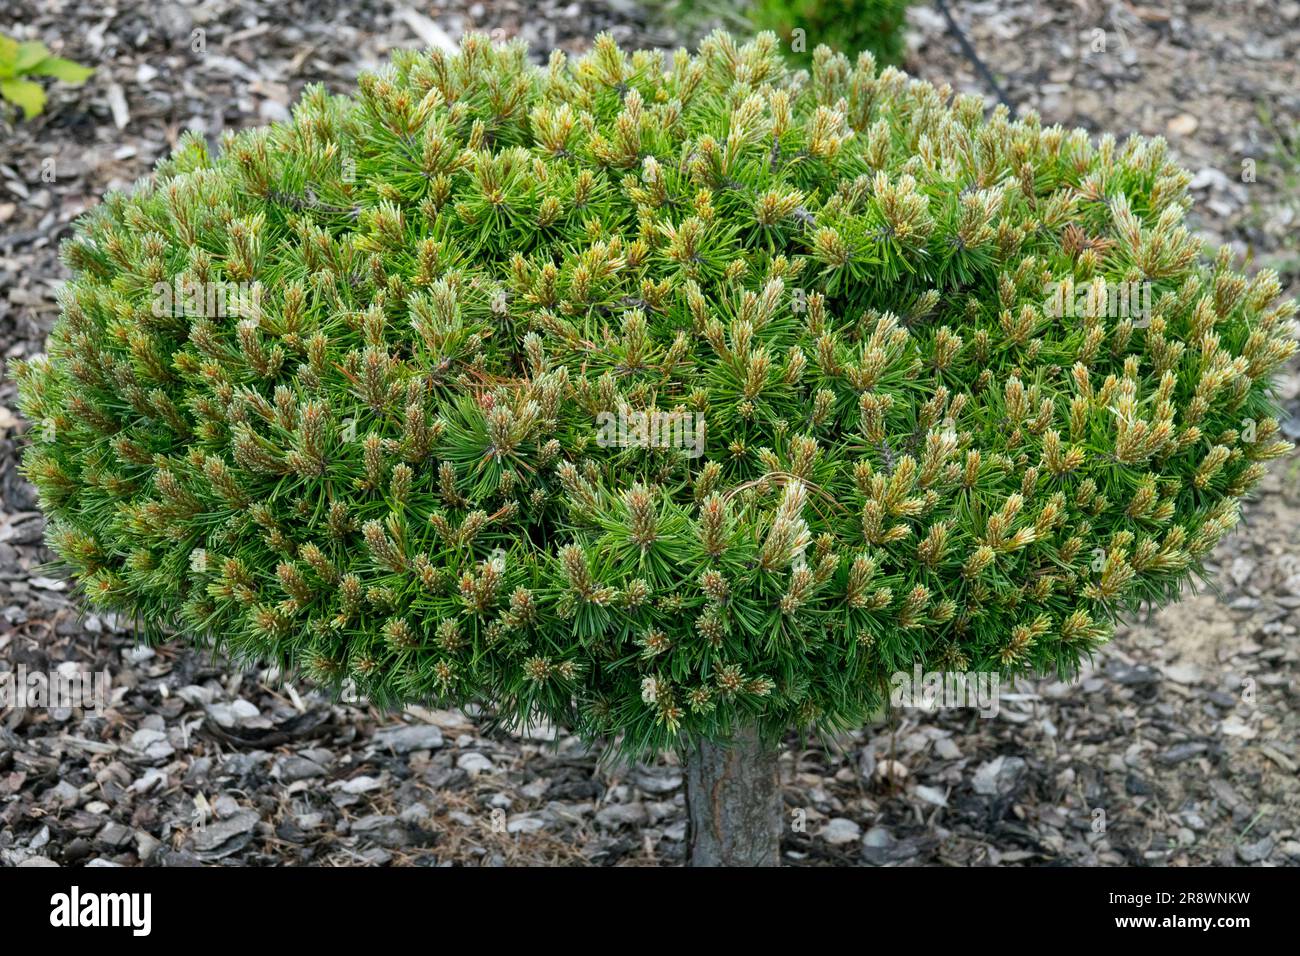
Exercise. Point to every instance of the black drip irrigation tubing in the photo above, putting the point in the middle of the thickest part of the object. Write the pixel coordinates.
(985, 73)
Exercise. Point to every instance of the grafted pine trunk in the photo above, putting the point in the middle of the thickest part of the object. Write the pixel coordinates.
(733, 801)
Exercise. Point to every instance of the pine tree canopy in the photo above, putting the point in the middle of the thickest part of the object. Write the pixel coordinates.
(649, 393)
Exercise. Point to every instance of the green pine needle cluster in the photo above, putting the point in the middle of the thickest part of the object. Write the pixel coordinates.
(380, 458)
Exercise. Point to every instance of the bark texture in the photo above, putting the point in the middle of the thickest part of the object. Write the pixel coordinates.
(733, 798)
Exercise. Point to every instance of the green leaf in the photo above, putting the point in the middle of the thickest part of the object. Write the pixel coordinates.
(63, 70)
(24, 93)
(8, 57)
(29, 54)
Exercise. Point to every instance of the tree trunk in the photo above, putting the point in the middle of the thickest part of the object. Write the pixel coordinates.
(733, 800)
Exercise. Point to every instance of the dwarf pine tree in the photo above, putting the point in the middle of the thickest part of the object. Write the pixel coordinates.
(376, 455)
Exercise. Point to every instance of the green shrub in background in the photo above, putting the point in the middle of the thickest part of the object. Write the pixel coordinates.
(875, 25)
(803, 25)
(431, 434)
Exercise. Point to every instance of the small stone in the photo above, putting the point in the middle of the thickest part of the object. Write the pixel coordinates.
(474, 763)
(1255, 852)
(946, 749)
(224, 805)
(408, 737)
(879, 846)
(543, 732)
(659, 780)
(617, 815)
(146, 845)
(535, 789)
(214, 837)
(299, 768)
(1279, 758)
(932, 795)
(1180, 752)
(114, 834)
(1234, 726)
(152, 778)
(198, 772)
(373, 822)
(877, 837)
(416, 813)
(1241, 569)
(272, 111)
(244, 711)
(840, 830)
(1132, 676)
(999, 776)
(194, 694)
(222, 715)
(152, 744)
(77, 850)
(358, 785)
(525, 823)
(63, 794)
(1226, 794)
(1186, 674)
(1136, 785)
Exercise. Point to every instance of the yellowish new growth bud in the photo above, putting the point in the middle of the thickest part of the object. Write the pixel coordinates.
(912, 613)
(385, 550)
(861, 573)
(979, 559)
(939, 447)
(932, 547)
(643, 517)
(788, 537)
(1210, 465)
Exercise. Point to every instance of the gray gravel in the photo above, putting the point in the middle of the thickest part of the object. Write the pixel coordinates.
(1176, 747)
